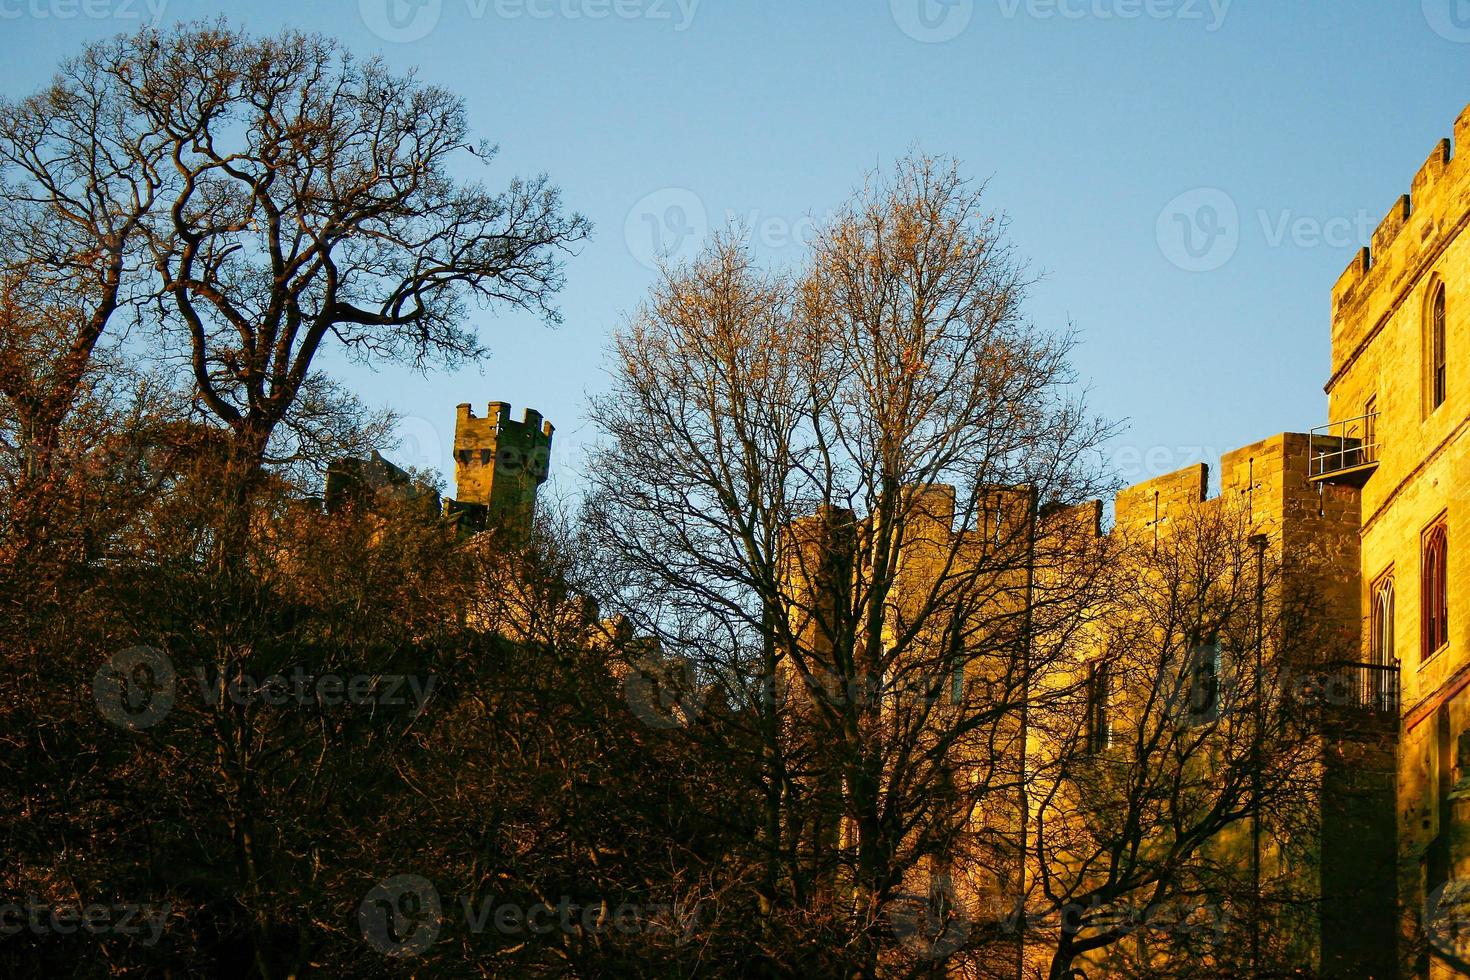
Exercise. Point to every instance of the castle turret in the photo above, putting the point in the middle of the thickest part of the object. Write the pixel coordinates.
(499, 463)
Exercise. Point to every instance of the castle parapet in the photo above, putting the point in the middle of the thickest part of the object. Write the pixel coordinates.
(1405, 241)
(499, 462)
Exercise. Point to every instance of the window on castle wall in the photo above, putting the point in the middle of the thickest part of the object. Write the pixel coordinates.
(1380, 640)
(1202, 684)
(1434, 592)
(1435, 348)
(957, 665)
(1370, 429)
(1099, 708)
(1380, 645)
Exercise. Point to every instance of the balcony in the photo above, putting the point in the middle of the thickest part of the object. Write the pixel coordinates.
(1368, 687)
(1345, 452)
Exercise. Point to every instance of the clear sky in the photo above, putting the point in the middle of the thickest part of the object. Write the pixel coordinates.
(1275, 134)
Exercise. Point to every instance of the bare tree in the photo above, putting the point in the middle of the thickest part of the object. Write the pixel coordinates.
(281, 197)
(829, 489)
(1183, 729)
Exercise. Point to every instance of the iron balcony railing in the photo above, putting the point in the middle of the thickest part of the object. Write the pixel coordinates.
(1365, 686)
(1340, 447)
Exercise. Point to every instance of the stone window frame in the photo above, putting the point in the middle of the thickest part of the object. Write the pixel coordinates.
(1434, 554)
(1100, 730)
(1434, 339)
(1381, 616)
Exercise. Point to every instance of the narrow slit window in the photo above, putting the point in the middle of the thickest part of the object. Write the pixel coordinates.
(1099, 714)
(1437, 355)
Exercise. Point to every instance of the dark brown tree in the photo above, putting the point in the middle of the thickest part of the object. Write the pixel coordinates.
(270, 197)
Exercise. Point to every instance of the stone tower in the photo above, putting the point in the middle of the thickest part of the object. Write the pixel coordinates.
(1400, 430)
(499, 463)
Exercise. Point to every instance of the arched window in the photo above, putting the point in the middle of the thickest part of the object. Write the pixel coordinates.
(1434, 348)
(1380, 693)
(1434, 596)
(1381, 640)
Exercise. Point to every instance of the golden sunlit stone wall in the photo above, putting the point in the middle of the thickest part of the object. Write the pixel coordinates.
(500, 463)
(1380, 317)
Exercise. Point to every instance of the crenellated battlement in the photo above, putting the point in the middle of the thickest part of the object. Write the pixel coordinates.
(1410, 234)
(500, 462)
(497, 420)
(1267, 480)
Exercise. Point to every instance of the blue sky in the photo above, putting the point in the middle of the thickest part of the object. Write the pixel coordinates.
(1273, 134)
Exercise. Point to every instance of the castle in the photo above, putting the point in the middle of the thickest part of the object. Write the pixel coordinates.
(499, 464)
(1379, 493)
(1383, 487)
(1381, 490)
(1397, 442)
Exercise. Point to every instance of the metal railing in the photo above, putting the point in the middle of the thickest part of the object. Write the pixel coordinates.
(1345, 445)
(1365, 686)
